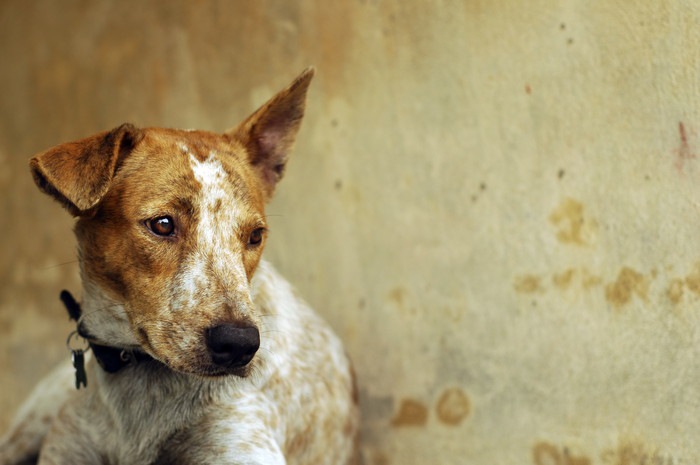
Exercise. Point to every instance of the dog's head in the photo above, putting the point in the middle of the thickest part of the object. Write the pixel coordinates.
(170, 229)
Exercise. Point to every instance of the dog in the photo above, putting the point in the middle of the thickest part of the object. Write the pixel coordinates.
(197, 350)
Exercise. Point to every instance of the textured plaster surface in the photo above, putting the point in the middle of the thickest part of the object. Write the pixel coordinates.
(495, 204)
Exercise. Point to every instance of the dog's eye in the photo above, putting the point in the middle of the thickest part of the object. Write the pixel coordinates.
(256, 236)
(162, 226)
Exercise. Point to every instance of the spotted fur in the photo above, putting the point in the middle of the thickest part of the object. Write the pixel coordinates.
(294, 403)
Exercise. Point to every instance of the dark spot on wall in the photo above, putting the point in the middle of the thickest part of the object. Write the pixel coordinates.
(563, 280)
(569, 41)
(692, 280)
(674, 291)
(544, 453)
(629, 283)
(561, 173)
(527, 284)
(562, 26)
(572, 223)
(528, 89)
(399, 297)
(334, 123)
(411, 413)
(338, 184)
(453, 407)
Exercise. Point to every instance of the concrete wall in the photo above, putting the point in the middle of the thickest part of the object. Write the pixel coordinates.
(495, 203)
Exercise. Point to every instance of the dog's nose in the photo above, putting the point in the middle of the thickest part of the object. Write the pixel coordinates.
(231, 346)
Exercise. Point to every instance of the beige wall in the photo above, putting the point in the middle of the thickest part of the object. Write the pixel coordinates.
(495, 203)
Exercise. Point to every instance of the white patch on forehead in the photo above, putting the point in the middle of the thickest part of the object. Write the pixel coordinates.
(211, 175)
(218, 254)
(208, 172)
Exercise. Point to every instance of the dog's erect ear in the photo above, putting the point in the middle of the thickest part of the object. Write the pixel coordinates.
(78, 174)
(268, 134)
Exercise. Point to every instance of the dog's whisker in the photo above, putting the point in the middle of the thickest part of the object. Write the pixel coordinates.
(99, 310)
(265, 350)
(50, 267)
(272, 331)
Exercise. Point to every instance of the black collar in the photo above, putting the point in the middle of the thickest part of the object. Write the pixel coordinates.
(111, 359)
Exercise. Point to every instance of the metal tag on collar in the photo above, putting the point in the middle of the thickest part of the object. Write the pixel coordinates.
(79, 364)
(78, 359)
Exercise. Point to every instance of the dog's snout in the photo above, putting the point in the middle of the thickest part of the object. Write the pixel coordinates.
(232, 346)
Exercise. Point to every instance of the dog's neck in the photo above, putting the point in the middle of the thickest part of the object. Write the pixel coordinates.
(104, 320)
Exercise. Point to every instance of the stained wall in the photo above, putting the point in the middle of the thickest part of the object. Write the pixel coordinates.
(494, 203)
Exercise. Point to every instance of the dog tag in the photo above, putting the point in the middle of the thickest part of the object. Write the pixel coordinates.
(79, 364)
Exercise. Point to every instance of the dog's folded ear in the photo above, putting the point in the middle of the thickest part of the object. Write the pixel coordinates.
(268, 134)
(78, 174)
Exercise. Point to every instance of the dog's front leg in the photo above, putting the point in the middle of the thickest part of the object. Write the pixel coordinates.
(219, 443)
(243, 431)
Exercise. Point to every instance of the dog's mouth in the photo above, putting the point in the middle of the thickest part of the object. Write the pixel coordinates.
(206, 369)
(243, 372)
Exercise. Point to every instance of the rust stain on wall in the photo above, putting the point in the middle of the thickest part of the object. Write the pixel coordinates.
(398, 295)
(453, 407)
(411, 413)
(400, 298)
(631, 452)
(684, 152)
(569, 278)
(677, 286)
(563, 280)
(572, 224)
(692, 280)
(544, 453)
(674, 291)
(527, 284)
(629, 283)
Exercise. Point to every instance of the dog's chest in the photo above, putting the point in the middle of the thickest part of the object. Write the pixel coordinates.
(144, 409)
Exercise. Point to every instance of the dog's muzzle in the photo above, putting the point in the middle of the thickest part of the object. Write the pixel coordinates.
(231, 346)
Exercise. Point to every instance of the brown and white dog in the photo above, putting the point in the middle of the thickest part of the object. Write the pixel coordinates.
(202, 353)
